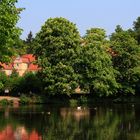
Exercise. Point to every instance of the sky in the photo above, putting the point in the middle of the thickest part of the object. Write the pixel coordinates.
(85, 14)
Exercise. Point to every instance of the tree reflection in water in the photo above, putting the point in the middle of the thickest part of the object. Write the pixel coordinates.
(100, 122)
(20, 133)
(74, 112)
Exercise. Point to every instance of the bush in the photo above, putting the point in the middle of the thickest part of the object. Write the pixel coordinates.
(35, 99)
(29, 83)
(4, 102)
(73, 102)
(25, 99)
(83, 100)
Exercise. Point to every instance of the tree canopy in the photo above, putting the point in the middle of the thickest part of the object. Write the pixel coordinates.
(96, 36)
(126, 61)
(9, 15)
(137, 29)
(95, 65)
(30, 43)
(57, 44)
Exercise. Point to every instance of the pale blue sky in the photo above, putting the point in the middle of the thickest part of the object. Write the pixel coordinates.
(84, 13)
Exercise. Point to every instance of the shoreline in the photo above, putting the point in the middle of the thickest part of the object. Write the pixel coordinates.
(26, 100)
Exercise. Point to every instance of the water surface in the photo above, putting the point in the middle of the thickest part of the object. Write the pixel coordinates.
(94, 122)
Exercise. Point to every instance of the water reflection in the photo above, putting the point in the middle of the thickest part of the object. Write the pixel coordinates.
(76, 113)
(95, 122)
(20, 133)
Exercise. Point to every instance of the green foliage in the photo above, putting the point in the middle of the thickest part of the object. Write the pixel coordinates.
(9, 15)
(3, 80)
(137, 29)
(12, 81)
(4, 102)
(73, 102)
(126, 61)
(60, 79)
(25, 46)
(29, 38)
(68, 61)
(20, 47)
(118, 28)
(9, 82)
(1, 85)
(30, 43)
(83, 100)
(95, 65)
(96, 36)
(34, 99)
(25, 99)
(37, 99)
(28, 84)
(57, 44)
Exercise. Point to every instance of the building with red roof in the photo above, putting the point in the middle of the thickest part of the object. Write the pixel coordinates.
(21, 65)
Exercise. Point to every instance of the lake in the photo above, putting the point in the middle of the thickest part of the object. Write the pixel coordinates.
(55, 122)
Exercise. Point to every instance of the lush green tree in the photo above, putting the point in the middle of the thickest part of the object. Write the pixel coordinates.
(20, 47)
(3, 80)
(25, 46)
(29, 42)
(96, 36)
(9, 15)
(12, 83)
(9, 82)
(29, 38)
(58, 41)
(137, 29)
(29, 83)
(126, 60)
(95, 65)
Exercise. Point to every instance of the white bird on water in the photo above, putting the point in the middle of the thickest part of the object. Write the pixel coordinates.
(48, 113)
(79, 108)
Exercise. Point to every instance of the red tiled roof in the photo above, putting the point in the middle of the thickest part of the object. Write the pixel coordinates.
(6, 66)
(27, 58)
(33, 67)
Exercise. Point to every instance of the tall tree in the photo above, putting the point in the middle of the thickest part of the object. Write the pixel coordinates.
(3, 80)
(96, 36)
(29, 38)
(9, 15)
(57, 44)
(137, 29)
(126, 61)
(95, 65)
(30, 43)
(20, 47)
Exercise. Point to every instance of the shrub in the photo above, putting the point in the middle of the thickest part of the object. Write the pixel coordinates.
(83, 100)
(4, 102)
(73, 102)
(37, 99)
(25, 99)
